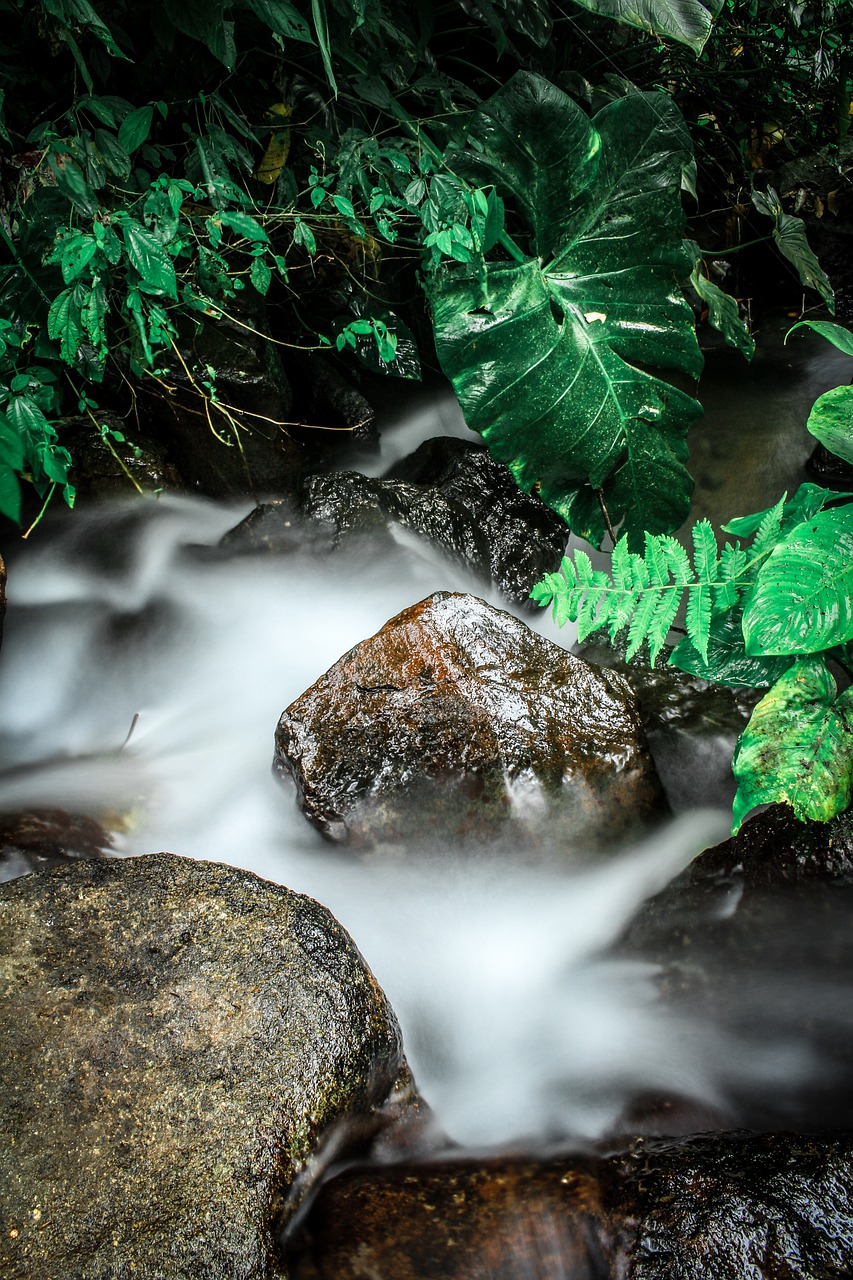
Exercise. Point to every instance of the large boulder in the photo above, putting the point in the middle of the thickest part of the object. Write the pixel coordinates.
(457, 719)
(449, 492)
(714, 1207)
(182, 1046)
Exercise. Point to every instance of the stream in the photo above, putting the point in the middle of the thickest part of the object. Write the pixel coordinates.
(523, 1026)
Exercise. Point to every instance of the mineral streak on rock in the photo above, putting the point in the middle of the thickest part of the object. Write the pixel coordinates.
(713, 1207)
(178, 1041)
(457, 719)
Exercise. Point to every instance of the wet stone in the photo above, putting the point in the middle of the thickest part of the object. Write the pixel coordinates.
(35, 840)
(109, 468)
(713, 1207)
(691, 725)
(457, 720)
(457, 496)
(183, 1045)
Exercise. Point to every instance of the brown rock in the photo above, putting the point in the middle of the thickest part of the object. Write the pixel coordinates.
(716, 1207)
(456, 719)
(182, 1046)
(36, 839)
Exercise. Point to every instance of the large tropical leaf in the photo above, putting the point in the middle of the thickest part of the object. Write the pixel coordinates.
(688, 21)
(802, 600)
(798, 747)
(550, 356)
(831, 421)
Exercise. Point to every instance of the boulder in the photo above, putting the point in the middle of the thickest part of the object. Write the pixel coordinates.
(458, 497)
(183, 1046)
(713, 1207)
(692, 726)
(456, 719)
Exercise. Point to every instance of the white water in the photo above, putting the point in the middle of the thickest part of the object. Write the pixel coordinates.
(518, 1024)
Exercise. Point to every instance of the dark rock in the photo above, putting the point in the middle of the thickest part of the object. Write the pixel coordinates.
(183, 1046)
(107, 468)
(241, 443)
(47, 837)
(713, 1207)
(280, 527)
(691, 725)
(828, 469)
(456, 495)
(2, 595)
(456, 719)
(755, 936)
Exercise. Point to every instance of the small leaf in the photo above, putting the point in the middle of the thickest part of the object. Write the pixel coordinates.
(834, 333)
(149, 258)
(798, 747)
(135, 128)
(723, 313)
(260, 275)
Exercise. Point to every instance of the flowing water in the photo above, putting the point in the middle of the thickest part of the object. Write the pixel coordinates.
(521, 1022)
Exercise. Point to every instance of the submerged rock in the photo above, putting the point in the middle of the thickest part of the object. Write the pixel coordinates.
(713, 1207)
(34, 840)
(182, 1046)
(456, 719)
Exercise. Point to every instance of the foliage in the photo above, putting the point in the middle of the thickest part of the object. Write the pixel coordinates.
(547, 354)
(771, 608)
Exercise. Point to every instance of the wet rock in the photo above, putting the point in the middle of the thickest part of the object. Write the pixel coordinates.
(108, 468)
(691, 725)
(2, 595)
(281, 528)
(183, 1045)
(47, 837)
(828, 469)
(457, 496)
(712, 1207)
(239, 444)
(455, 719)
(755, 937)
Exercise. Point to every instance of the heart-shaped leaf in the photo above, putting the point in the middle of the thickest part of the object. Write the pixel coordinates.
(550, 356)
(688, 21)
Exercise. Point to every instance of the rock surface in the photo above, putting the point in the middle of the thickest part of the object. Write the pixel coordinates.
(456, 719)
(179, 1040)
(755, 938)
(108, 468)
(242, 446)
(35, 840)
(691, 725)
(714, 1207)
(457, 496)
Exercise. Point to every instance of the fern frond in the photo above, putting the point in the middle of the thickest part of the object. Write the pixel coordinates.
(677, 560)
(768, 532)
(732, 582)
(641, 622)
(665, 612)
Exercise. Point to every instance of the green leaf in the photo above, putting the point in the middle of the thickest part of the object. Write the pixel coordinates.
(135, 128)
(75, 254)
(688, 21)
(549, 356)
(114, 156)
(723, 314)
(10, 491)
(282, 18)
(834, 333)
(321, 31)
(64, 321)
(831, 421)
(72, 183)
(790, 236)
(802, 600)
(150, 259)
(798, 747)
(726, 659)
(204, 20)
(260, 275)
(244, 225)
